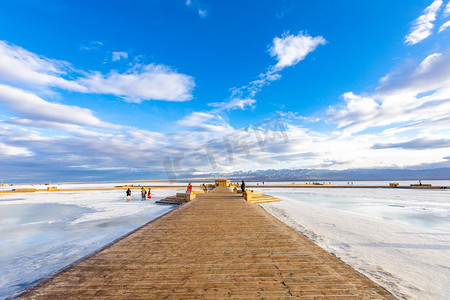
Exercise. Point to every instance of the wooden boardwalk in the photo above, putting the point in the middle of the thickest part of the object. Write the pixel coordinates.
(216, 246)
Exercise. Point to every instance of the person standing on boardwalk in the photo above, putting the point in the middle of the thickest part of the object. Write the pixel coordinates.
(243, 186)
(189, 188)
(128, 194)
(143, 193)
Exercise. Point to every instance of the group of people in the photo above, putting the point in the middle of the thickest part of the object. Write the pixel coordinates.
(144, 194)
(148, 193)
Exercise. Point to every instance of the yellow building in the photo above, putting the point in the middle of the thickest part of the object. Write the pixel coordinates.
(222, 182)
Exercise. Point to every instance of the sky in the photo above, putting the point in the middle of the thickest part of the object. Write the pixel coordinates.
(144, 89)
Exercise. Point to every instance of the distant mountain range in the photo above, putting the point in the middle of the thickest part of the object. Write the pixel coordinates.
(259, 175)
(327, 175)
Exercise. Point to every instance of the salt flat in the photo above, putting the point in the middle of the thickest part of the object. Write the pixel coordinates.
(398, 238)
(41, 233)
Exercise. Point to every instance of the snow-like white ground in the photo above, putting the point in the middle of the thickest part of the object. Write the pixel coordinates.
(354, 183)
(41, 233)
(399, 238)
(87, 185)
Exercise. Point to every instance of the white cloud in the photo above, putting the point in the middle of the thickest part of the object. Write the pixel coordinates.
(244, 96)
(196, 5)
(255, 86)
(297, 116)
(146, 136)
(410, 96)
(431, 74)
(119, 55)
(150, 82)
(6, 150)
(422, 27)
(93, 45)
(18, 65)
(67, 127)
(33, 107)
(416, 144)
(200, 127)
(447, 10)
(291, 49)
(195, 119)
(444, 26)
(234, 103)
(427, 64)
(356, 111)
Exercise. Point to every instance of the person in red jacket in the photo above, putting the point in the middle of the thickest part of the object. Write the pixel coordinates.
(149, 195)
(189, 188)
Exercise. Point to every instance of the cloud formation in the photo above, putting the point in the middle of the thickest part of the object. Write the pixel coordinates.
(84, 142)
(234, 103)
(195, 4)
(422, 27)
(93, 45)
(8, 151)
(405, 96)
(357, 111)
(291, 49)
(148, 82)
(207, 124)
(416, 144)
(444, 26)
(447, 10)
(119, 55)
(406, 113)
(19, 67)
(33, 107)
(288, 50)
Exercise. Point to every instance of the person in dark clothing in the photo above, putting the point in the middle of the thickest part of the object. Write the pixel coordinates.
(243, 186)
(143, 193)
(128, 194)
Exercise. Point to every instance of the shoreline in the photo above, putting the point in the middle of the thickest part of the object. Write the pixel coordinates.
(348, 186)
(35, 190)
(211, 180)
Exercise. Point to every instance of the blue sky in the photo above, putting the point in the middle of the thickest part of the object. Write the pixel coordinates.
(100, 90)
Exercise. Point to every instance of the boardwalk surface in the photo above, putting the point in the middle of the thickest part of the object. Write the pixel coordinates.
(217, 246)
